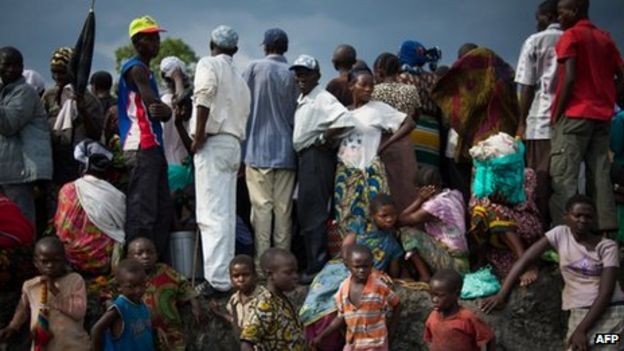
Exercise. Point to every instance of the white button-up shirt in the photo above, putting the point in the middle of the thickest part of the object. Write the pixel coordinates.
(317, 112)
(220, 87)
(537, 66)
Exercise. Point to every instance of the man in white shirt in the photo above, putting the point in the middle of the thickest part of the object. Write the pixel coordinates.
(222, 102)
(536, 75)
(319, 119)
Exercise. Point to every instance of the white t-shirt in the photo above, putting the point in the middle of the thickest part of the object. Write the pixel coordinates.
(581, 268)
(359, 148)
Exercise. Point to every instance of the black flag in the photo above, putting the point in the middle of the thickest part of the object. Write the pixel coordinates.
(83, 54)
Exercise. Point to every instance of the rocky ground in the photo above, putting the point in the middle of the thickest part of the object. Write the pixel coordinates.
(531, 320)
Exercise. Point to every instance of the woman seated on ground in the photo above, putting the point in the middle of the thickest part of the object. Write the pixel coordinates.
(360, 175)
(91, 213)
(503, 231)
(16, 237)
(589, 266)
(435, 227)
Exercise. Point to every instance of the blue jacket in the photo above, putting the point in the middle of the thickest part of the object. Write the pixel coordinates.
(25, 146)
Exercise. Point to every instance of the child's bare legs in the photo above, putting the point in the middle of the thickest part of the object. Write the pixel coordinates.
(517, 248)
(394, 270)
(421, 267)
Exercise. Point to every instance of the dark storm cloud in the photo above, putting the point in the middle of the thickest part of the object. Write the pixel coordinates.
(315, 27)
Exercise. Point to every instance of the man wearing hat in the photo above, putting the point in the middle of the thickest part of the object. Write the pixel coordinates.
(319, 120)
(269, 155)
(222, 101)
(148, 207)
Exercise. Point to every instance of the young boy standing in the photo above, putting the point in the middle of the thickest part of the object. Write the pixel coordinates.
(149, 208)
(451, 327)
(584, 104)
(363, 301)
(273, 323)
(126, 325)
(244, 281)
(56, 297)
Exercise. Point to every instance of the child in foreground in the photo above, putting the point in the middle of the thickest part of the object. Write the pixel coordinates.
(363, 301)
(244, 281)
(272, 323)
(55, 302)
(165, 289)
(126, 325)
(451, 327)
(589, 264)
(387, 252)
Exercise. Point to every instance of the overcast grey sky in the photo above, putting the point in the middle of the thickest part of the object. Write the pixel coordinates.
(37, 27)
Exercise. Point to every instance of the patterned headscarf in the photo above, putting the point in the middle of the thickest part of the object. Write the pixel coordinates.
(93, 155)
(62, 57)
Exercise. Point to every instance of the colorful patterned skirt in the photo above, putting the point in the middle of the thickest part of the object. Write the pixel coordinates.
(354, 190)
(435, 254)
(87, 248)
(489, 220)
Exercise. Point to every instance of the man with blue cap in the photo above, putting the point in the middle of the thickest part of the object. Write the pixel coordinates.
(269, 155)
(319, 120)
(221, 108)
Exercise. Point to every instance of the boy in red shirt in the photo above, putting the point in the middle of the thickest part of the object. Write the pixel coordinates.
(584, 104)
(451, 327)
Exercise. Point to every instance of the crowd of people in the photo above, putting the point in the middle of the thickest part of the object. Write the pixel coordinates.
(404, 173)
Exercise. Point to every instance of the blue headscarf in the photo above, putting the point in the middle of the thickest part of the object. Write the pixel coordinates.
(412, 53)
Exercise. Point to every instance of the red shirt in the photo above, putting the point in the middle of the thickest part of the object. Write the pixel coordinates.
(597, 60)
(463, 331)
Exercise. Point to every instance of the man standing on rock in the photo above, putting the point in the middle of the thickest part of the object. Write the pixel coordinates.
(149, 209)
(536, 74)
(269, 155)
(319, 119)
(25, 151)
(222, 101)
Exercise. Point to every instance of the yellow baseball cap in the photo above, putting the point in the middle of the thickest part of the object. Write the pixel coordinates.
(145, 24)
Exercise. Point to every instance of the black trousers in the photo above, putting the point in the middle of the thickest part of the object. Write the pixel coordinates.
(149, 208)
(317, 168)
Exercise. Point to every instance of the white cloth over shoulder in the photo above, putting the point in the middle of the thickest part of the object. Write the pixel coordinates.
(104, 205)
(498, 145)
(69, 110)
(359, 148)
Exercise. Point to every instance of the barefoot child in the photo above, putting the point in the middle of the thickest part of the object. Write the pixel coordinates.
(58, 297)
(273, 322)
(451, 327)
(363, 301)
(589, 264)
(244, 279)
(127, 324)
(387, 252)
(165, 289)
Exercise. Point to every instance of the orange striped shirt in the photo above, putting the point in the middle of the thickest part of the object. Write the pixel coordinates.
(366, 323)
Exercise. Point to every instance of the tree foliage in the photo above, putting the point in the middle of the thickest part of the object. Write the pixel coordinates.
(168, 47)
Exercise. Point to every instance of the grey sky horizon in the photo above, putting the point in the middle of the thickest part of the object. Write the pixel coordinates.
(37, 27)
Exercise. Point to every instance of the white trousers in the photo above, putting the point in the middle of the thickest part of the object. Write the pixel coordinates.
(216, 166)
